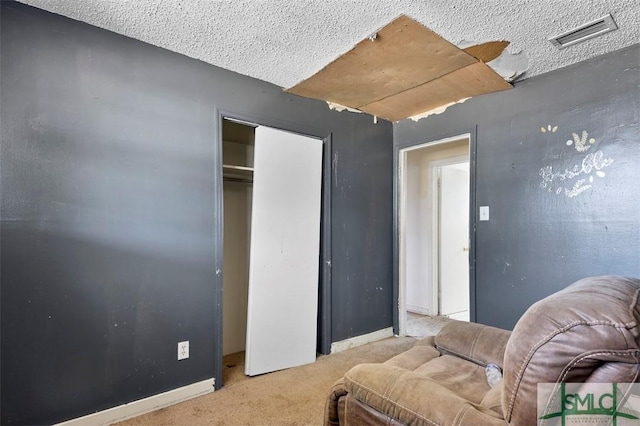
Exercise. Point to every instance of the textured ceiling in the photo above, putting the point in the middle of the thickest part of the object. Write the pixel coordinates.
(284, 42)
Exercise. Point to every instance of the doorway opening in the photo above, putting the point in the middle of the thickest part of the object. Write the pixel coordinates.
(272, 190)
(434, 238)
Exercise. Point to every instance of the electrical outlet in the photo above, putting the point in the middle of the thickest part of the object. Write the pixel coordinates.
(183, 350)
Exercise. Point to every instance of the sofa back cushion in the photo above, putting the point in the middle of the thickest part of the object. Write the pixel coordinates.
(587, 332)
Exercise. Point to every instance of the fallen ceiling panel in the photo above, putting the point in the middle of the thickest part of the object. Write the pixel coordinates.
(472, 80)
(404, 54)
(402, 70)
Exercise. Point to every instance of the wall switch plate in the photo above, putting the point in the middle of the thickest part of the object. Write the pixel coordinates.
(484, 213)
(183, 350)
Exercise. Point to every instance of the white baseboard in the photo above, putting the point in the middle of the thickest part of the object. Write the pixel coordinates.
(419, 310)
(142, 406)
(343, 345)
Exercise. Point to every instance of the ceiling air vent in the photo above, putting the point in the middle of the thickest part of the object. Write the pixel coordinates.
(584, 32)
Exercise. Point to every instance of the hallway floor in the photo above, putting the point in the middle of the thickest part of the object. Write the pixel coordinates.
(424, 325)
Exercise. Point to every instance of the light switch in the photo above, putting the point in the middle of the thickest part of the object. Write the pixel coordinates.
(484, 213)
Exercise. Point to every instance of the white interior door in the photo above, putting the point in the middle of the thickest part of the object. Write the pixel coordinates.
(454, 241)
(285, 249)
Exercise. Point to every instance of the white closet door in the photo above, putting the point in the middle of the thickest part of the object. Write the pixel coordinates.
(285, 241)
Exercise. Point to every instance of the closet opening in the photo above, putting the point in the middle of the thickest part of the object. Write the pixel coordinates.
(272, 193)
(237, 158)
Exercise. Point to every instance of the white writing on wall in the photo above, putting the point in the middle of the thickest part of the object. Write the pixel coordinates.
(577, 178)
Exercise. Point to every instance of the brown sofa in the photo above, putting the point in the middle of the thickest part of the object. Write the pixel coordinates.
(587, 332)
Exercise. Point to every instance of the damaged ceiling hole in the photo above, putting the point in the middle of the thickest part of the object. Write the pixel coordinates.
(405, 69)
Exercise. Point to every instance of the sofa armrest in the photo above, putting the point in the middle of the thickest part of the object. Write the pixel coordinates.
(331, 408)
(478, 343)
(410, 398)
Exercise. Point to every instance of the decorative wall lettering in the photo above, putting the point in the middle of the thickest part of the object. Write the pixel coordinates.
(577, 178)
(549, 128)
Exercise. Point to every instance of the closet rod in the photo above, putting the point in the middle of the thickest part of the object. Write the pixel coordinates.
(232, 167)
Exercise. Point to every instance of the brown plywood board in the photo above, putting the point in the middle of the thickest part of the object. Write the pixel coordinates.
(487, 52)
(405, 54)
(473, 80)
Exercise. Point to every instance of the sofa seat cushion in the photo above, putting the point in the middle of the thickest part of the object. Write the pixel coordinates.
(463, 378)
(411, 397)
(406, 386)
(423, 351)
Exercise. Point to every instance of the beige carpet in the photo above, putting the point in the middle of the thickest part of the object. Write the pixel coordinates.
(290, 397)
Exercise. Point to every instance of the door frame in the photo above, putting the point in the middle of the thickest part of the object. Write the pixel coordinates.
(324, 281)
(399, 164)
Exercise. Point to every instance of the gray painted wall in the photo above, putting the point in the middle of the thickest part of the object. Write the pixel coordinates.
(540, 237)
(111, 207)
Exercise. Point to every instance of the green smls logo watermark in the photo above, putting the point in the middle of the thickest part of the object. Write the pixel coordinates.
(565, 404)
